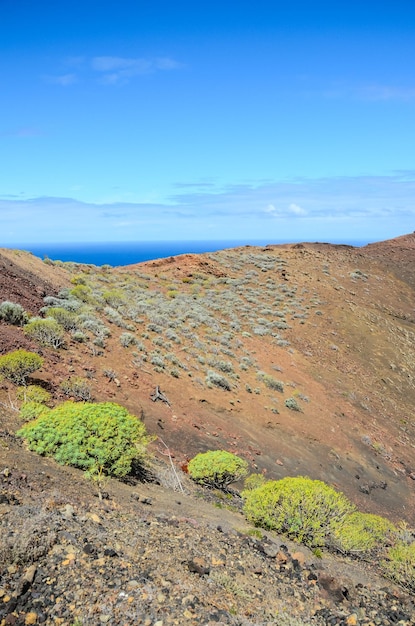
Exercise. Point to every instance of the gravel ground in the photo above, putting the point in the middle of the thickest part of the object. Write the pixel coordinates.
(66, 562)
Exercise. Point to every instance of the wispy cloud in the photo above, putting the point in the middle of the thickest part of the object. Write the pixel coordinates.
(62, 79)
(339, 208)
(109, 70)
(371, 91)
(121, 69)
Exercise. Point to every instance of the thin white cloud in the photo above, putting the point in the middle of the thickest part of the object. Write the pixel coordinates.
(295, 209)
(372, 91)
(62, 79)
(109, 70)
(121, 69)
(339, 208)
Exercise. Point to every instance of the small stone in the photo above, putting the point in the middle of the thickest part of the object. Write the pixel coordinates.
(110, 552)
(299, 556)
(68, 511)
(198, 566)
(352, 620)
(94, 518)
(31, 618)
(133, 584)
(30, 574)
(89, 548)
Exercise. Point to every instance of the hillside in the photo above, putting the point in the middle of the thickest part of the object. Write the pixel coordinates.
(234, 340)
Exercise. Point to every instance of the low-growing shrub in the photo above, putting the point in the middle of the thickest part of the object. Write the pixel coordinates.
(67, 319)
(18, 365)
(400, 564)
(254, 481)
(127, 339)
(100, 438)
(304, 509)
(33, 393)
(13, 313)
(79, 336)
(271, 382)
(292, 404)
(32, 409)
(47, 332)
(77, 387)
(217, 380)
(362, 533)
(217, 468)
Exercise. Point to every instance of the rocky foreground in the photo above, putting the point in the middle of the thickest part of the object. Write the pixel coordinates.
(150, 555)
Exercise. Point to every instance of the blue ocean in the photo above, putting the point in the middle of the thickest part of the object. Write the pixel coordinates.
(127, 253)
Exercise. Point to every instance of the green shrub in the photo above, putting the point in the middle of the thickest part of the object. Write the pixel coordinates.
(47, 332)
(67, 319)
(217, 380)
(292, 404)
(217, 468)
(361, 533)
(77, 387)
(33, 393)
(18, 365)
(32, 409)
(304, 509)
(400, 564)
(13, 313)
(100, 438)
(271, 382)
(127, 339)
(254, 481)
(81, 292)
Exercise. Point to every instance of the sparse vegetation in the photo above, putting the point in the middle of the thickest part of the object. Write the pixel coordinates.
(292, 404)
(77, 387)
(217, 380)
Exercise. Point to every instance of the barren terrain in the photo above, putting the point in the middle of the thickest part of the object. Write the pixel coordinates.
(233, 340)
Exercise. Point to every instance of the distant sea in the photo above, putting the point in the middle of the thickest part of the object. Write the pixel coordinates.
(127, 253)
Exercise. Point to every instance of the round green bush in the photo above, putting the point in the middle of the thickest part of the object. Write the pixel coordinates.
(47, 332)
(400, 564)
(33, 393)
(254, 481)
(217, 468)
(362, 533)
(101, 438)
(13, 313)
(18, 365)
(304, 509)
(32, 409)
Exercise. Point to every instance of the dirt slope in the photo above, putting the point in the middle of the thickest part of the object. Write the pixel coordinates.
(236, 341)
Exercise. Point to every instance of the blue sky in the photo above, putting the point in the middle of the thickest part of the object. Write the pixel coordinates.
(153, 120)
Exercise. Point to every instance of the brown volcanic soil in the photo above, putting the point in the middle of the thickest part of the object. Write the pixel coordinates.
(346, 355)
(350, 356)
(27, 280)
